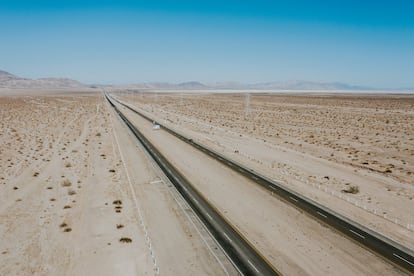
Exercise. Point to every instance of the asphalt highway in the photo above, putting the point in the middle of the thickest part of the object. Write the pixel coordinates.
(245, 257)
(388, 249)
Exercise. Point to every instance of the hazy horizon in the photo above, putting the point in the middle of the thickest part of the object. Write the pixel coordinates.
(119, 42)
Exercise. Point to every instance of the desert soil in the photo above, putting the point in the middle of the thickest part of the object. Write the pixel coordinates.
(76, 200)
(293, 242)
(352, 153)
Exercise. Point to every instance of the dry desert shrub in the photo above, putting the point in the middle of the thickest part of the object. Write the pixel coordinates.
(71, 192)
(68, 165)
(351, 190)
(118, 206)
(66, 183)
(119, 226)
(125, 240)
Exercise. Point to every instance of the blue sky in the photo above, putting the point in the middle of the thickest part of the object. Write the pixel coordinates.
(360, 42)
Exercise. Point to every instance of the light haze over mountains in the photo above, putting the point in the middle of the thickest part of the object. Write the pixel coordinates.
(8, 80)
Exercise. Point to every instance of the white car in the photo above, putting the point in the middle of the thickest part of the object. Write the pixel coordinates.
(155, 126)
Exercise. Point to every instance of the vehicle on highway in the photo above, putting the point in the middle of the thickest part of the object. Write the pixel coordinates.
(155, 125)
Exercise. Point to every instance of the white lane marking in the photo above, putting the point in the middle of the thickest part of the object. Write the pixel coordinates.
(294, 199)
(196, 200)
(156, 181)
(356, 233)
(227, 236)
(273, 188)
(255, 178)
(319, 213)
(180, 204)
(404, 259)
(252, 265)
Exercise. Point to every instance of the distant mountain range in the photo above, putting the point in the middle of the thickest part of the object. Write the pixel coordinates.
(8, 80)
(287, 85)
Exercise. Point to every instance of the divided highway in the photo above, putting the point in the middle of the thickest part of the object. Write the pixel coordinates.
(245, 257)
(397, 254)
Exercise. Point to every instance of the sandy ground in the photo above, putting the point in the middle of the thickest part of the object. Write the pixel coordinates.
(293, 242)
(319, 145)
(68, 205)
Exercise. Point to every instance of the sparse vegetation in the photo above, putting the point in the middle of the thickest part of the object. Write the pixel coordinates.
(118, 206)
(71, 192)
(273, 118)
(351, 190)
(68, 165)
(125, 240)
(112, 170)
(35, 174)
(66, 183)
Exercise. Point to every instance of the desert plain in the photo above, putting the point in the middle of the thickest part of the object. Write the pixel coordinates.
(70, 205)
(78, 195)
(353, 153)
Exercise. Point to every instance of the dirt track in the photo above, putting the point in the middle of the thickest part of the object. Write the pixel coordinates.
(63, 176)
(318, 145)
(290, 240)
(67, 207)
